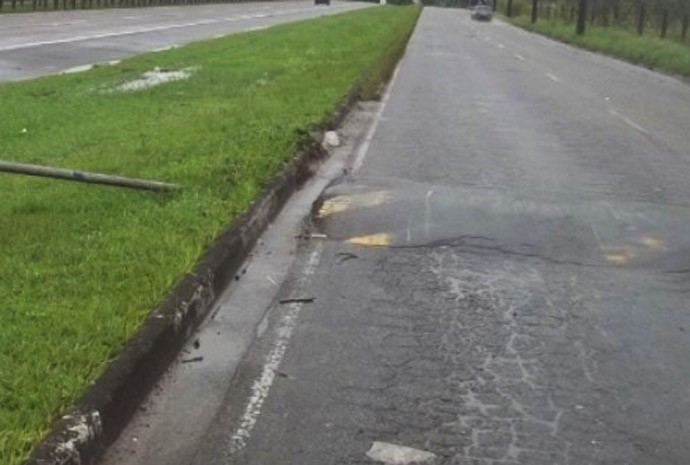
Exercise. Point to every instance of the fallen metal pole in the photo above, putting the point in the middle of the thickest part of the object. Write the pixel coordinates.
(85, 176)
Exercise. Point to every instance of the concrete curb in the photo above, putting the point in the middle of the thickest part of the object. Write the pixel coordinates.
(100, 415)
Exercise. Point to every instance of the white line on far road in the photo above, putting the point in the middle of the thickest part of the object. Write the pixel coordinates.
(629, 122)
(553, 77)
(501, 46)
(519, 57)
(142, 30)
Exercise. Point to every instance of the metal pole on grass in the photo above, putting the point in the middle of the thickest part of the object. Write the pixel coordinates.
(85, 176)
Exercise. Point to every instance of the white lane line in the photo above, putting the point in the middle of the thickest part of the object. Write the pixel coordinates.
(501, 46)
(519, 57)
(364, 147)
(262, 385)
(141, 30)
(553, 77)
(629, 122)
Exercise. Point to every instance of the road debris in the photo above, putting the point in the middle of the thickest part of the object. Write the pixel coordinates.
(298, 300)
(345, 256)
(393, 454)
(330, 140)
(193, 359)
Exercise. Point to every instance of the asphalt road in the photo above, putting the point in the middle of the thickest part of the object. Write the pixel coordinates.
(36, 44)
(502, 278)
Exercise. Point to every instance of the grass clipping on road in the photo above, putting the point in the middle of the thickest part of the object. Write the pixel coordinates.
(653, 52)
(82, 266)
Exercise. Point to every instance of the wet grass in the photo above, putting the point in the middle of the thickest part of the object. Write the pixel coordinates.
(83, 265)
(653, 52)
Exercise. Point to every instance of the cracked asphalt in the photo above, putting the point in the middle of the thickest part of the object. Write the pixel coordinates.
(504, 280)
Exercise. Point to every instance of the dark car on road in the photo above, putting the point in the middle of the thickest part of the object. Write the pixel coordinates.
(322, 2)
(482, 13)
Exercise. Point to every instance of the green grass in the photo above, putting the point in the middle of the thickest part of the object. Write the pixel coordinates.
(663, 54)
(83, 265)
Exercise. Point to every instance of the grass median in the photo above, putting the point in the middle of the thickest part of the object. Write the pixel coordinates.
(653, 52)
(83, 265)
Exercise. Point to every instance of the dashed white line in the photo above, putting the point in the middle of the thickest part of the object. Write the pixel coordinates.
(262, 385)
(519, 57)
(629, 122)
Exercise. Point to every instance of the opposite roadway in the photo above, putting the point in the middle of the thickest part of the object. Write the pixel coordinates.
(502, 277)
(35, 44)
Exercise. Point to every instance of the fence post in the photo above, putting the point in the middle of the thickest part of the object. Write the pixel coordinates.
(684, 27)
(509, 9)
(581, 17)
(664, 23)
(641, 18)
(535, 5)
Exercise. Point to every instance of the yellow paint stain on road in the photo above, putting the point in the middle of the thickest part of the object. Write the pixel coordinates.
(333, 206)
(372, 240)
(620, 257)
(343, 203)
(652, 243)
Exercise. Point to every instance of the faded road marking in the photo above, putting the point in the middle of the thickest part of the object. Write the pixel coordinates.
(364, 146)
(519, 57)
(393, 454)
(262, 386)
(372, 240)
(652, 243)
(629, 122)
(553, 77)
(619, 257)
(343, 203)
(501, 46)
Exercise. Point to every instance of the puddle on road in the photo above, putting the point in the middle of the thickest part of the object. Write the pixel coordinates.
(382, 212)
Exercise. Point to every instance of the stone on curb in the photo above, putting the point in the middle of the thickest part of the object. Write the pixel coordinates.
(330, 140)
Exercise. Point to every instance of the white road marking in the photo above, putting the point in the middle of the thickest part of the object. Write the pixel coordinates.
(262, 385)
(142, 30)
(393, 454)
(501, 46)
(629, 122)
(519, 57)
(364, 147)
(553, 77)
(165, 48)
(427, 213)
(78, 69)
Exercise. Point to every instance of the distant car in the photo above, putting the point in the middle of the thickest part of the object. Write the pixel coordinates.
(322, 2)
(482, 13)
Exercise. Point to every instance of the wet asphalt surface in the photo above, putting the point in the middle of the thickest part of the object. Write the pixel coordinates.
(36, 44)
(504, 281)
